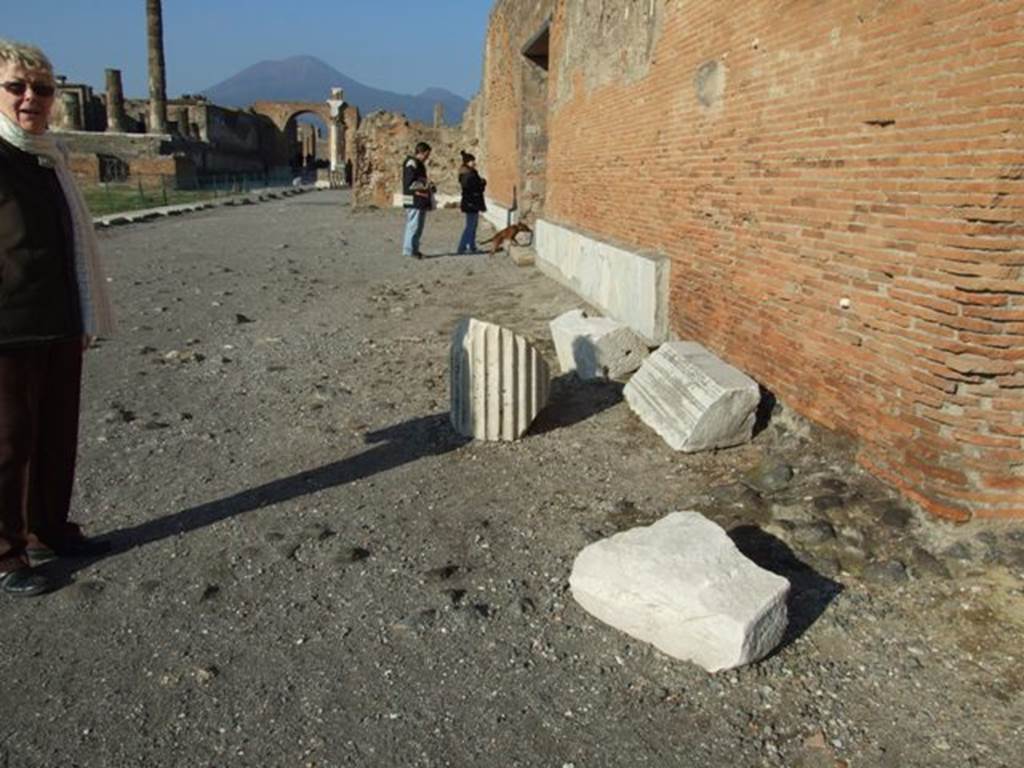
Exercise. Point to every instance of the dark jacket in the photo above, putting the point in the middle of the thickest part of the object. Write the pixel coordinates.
(473, 187)
(414, 179)
(38, 290)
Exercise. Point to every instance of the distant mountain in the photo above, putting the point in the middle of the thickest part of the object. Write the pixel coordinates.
(306, 78)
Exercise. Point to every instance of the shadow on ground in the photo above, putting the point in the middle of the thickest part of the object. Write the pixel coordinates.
(394, 446)
(810, 593)
(570, 402)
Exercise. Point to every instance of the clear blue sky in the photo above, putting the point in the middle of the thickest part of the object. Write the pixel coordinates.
(398, 45)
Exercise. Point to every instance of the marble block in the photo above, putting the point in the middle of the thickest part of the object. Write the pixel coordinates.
(694, 400)
(683, 586)
(596, 347)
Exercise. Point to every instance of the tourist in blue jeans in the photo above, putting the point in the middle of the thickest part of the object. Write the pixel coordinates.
(417, 197)
(472, 202)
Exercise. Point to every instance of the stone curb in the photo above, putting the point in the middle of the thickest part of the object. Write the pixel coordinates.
(149, 214)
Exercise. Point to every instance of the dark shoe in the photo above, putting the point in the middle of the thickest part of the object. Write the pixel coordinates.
(82, 547)
(417, 255)
(24, 582)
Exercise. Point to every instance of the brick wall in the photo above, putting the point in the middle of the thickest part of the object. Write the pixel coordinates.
(796, 158)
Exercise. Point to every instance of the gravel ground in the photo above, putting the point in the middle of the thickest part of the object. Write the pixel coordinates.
(311, 569)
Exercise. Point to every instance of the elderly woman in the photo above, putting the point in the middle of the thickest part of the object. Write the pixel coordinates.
(52, 302)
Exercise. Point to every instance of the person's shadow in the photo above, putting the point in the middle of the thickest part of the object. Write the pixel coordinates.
(810, 592)
(393, 446)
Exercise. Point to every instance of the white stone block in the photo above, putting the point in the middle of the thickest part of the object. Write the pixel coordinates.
(694, 400)
(499, 381)
(628, 286)
(683, 586)
(596, 347)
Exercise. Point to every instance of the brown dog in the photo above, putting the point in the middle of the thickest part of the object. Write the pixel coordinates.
(506, 235)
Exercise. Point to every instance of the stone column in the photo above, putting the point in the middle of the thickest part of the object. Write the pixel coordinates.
(438, 115)
(72, 111)
(115, 102)
(157, 75)
(336, 129)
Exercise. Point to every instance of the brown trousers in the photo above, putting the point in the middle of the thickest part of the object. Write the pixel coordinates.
(39, 401)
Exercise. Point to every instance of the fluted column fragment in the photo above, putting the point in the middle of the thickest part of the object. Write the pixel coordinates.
(499, 381)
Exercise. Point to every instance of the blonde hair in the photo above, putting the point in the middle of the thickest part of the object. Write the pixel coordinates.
(28, 56)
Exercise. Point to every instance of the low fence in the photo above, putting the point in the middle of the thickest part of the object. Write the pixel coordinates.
(137, 191)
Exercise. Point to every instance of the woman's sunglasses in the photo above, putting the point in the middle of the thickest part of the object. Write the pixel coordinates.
(18, 88)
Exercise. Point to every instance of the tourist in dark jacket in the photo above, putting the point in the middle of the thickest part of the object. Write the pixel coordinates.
(473, 203)
(417, 197)
(52, 303)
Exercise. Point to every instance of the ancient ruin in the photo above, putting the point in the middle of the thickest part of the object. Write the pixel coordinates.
(183, 141)
(596, 347)
(499, 382)
(683, 586)
(843, 230)
(695, 401)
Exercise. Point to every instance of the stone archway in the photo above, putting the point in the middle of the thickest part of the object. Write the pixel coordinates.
(283, 115)
(283, 112)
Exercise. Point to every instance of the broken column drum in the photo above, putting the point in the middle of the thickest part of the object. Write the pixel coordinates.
(499, 381)
(694, 400)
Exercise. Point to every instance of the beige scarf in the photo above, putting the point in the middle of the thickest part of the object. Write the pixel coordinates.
(97, 315)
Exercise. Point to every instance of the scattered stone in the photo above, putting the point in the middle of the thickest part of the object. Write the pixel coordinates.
(499, 381)
(692, 399)
(416, 622)
(895, 515)
(682, 585)
(241, 319)
(596, 347)
(527, 606)
(925, 563)
(1013, 558)
(768, 477)
(209, 592)
(827, 502)
(455, 596)
(206, 675)
(118, 414)
(443, 573)
(355, 554)
(885, 572)
(88, 589)
(959, 551)
(815, 532)
(852, 559)
(483, 610)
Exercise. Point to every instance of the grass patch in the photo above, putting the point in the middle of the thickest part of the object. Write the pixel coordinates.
(117, 198)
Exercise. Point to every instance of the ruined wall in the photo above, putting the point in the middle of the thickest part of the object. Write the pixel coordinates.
(89, 110)
(384, 140)
(839, 186)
